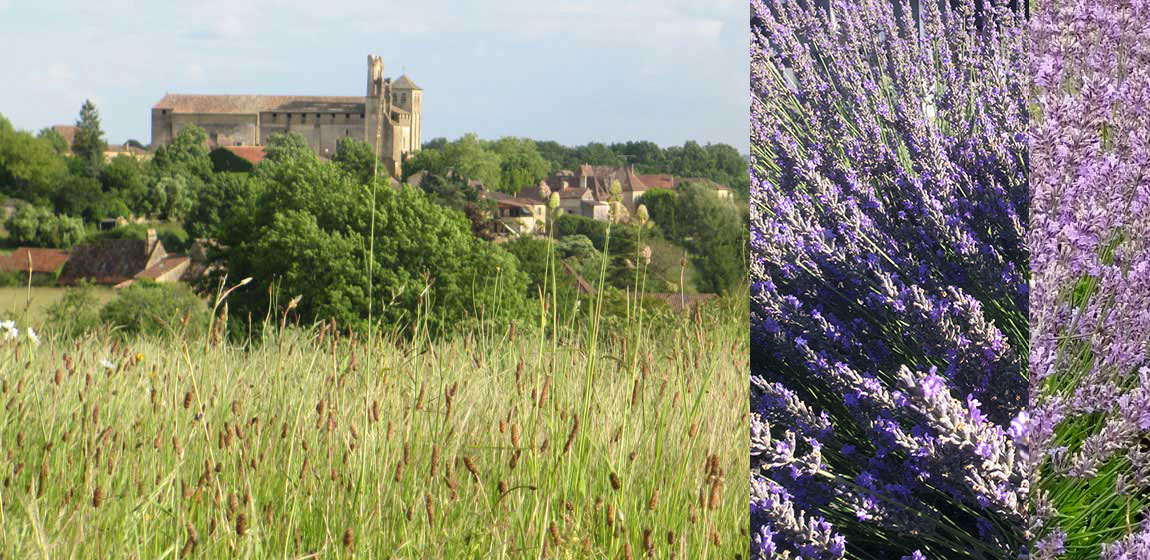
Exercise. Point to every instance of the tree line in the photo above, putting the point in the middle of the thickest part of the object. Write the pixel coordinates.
(340, 241)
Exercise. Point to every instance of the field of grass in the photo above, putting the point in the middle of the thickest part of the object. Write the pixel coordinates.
(309, 444)
(16, 301)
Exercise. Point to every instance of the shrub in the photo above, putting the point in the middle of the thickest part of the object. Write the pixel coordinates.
(39, 227)
(153, 309)
(77, 313)
(309, 232)
(889, 281)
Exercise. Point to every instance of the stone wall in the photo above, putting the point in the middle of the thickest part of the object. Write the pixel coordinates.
(222, 129)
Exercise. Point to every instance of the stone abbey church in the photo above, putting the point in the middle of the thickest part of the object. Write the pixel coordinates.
(389, 117)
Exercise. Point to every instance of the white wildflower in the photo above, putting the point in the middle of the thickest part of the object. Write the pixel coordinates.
(10, 330)
(35, 338)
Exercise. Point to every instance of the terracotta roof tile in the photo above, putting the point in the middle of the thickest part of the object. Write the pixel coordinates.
(251, 104)
(67, 131)
(41, 260)
(658, 181)
(253, 154)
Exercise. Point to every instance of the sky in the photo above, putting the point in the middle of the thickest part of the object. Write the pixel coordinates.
(575, 72)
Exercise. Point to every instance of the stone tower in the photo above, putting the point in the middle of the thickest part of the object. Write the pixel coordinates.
(409, 97)
(379, 129)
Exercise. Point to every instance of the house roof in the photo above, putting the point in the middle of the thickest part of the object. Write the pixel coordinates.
(404, 83)
(658, 180)
(169, 263)
(108, 261)
(38, 260)
(67, 131)
(503, 199)
(572, 193)
(598, 178)
(253, 154)
(252, 104)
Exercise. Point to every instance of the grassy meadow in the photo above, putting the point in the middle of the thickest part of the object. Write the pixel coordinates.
(29, 306)
(312, 444)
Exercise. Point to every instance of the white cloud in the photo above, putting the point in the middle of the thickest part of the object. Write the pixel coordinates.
(195, 72)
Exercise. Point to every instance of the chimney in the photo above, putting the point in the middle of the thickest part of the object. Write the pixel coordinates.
(152, 238)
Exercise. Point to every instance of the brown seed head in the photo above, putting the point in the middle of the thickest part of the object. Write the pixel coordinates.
(543, 392)
(615, 482)
(467, 462)
(241, 524)
(554, 530)
(571, 435)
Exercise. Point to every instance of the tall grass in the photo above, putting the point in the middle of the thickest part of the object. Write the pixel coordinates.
(488, 445)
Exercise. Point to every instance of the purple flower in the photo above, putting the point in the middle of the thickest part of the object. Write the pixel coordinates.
(890, 260)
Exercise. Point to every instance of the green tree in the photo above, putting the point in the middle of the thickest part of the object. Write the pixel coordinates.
(80, 195)
(171, 198)
(557, 155)
(429, 161)
(126, 179)
(216, 203)
(308, 232)
(520, 164)
(595, 153)
(30, 168)
(648, 157)
(89, 145)
(356, 158)
(663, 207)
(152, 309)
(282, 147)
(717, 236)
(39, 227)
(187, 154)
(471, 159)
(57, 140)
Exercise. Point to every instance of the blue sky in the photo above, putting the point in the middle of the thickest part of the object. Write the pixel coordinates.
(578, 71)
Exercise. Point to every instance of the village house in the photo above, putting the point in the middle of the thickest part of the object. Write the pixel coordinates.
(119, 262)
(586, 191)
(518, 216)
(43, 264)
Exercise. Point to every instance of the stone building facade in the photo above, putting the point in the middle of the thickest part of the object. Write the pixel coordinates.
(389, 117)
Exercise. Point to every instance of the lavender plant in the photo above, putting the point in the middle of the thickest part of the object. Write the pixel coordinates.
(1090, 393)
(889, 280)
